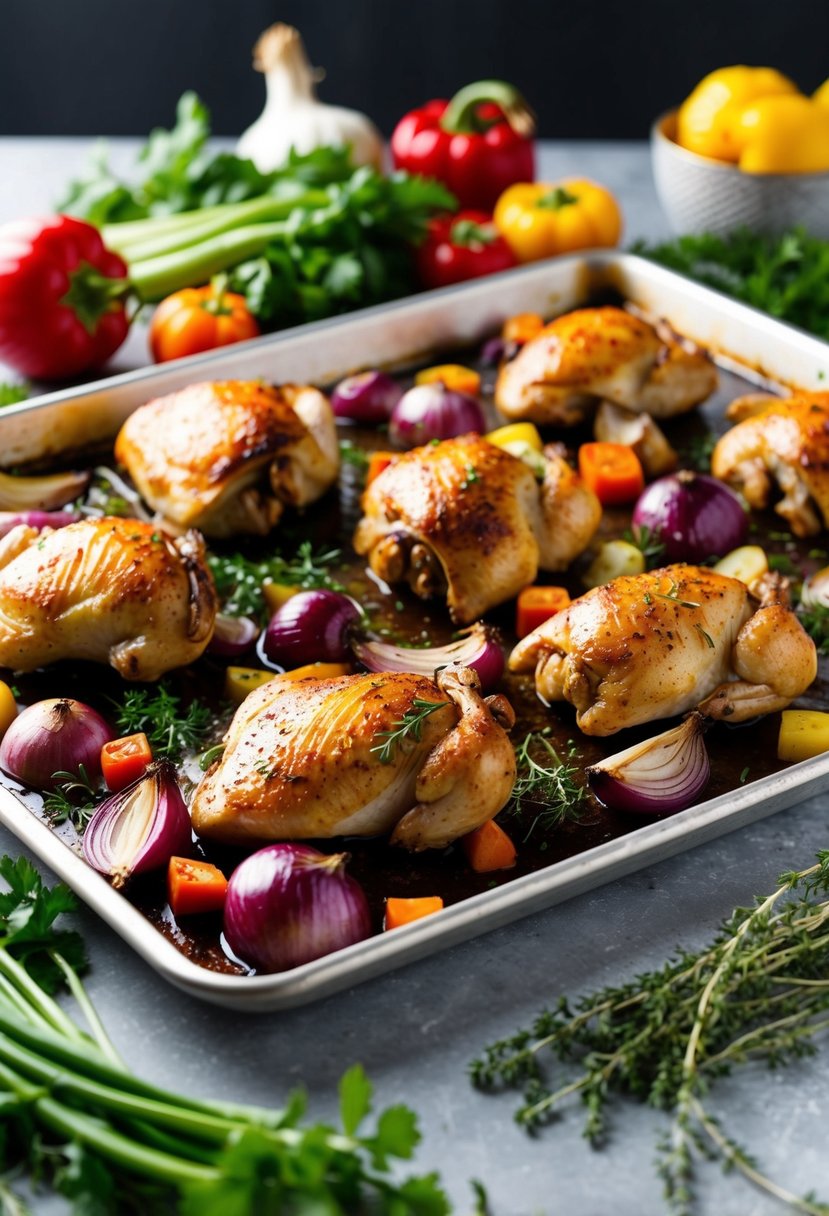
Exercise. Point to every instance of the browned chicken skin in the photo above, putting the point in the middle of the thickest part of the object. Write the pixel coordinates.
(227, 457)
(114, 591)
(784, 444)
(650, 646)
(302, 761)
(465, 519)
(597, 354)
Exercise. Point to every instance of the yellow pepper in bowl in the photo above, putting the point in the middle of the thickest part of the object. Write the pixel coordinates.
(784, 134)
(540, 220)
(708, 120)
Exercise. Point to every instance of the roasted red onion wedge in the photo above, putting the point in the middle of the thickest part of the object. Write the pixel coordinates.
(692, 515)
(658, 777)
(140, 828)
(40, 493)
(432, 411)
(477, 649)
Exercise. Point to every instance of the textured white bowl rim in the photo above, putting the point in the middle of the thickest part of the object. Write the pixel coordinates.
(721, 166)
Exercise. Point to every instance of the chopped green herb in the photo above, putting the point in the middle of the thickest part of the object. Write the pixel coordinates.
(470, 477)
(648, 543)
(743, 775)
(815, 620)
(410, 726)
(353, 454)
(699, 451)
(783, 564)
(73, 800)
(672, 594)
(12, 394)
(239, 580)
(707, 636)
(171, 729)
(545, 783)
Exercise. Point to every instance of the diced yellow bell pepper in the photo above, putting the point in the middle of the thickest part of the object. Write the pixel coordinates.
(708, 120)
(748, 563)
(523, 433)
(615, 558)
(803, 733)
(277, 594)
(239, 681)
(8, 708)
(453, 376)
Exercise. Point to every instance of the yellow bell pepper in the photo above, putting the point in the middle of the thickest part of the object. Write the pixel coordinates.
(821, 95)
(453, 376)
(708, 119)
(522, 433)
(803, 733)
(541, 220)
(8, 708)
(784, 134)
(277, 594)
(239, 681)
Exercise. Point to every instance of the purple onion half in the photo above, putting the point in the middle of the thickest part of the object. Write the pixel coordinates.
(288, 904)
(663, 775)
(233, 636)
(477, 649)
(368, 397)
(693, 515)
(311, 627)
(432, 411)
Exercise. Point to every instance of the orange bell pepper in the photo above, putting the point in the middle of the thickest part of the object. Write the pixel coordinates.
(536, 605)
(489, 848)
(612, 471)
(453, 376)
(195, 887)
(404, 911)
(124, 760)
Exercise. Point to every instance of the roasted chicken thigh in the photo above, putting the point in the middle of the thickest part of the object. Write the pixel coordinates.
(597, 354)
(650, 646)
(316, 758)
(466, 519)
(227, 457)
(783, 444)
(115, 591)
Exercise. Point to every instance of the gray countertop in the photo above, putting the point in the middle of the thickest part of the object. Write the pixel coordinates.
(416, 1029)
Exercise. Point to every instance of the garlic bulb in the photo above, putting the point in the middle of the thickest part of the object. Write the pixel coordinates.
(293, 117)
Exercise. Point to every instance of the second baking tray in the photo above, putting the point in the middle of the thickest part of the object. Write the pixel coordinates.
(395, 335)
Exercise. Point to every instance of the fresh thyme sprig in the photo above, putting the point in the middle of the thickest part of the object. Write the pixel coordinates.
(758, 991)
(171, 729)
(410, 726)
(815, 620)
(239, 580)
(546, 783)
(672, 594)
(73, 800)
(647, 542)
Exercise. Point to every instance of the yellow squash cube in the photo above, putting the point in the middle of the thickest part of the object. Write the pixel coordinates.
(803, 733)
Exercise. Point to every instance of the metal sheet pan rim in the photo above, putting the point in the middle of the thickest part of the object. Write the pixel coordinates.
(491, 909)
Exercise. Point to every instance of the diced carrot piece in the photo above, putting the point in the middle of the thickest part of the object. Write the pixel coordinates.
(538, 604)
(378, 461)
(124, 760)
(522, 328)
(489, 848)
(453, 376)
(612, 471)
(194, 887)
(404, 911)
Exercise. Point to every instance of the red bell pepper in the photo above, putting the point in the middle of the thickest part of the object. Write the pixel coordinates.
(62, 297)
(477, 144)
(460, 247)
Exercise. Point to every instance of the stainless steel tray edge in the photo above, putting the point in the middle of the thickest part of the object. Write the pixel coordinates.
(482, 913)
(393, 334)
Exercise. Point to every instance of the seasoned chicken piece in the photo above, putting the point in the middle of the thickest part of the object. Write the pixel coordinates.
(114, 591)
(612, 424)
(650, 646)
(317, 758)
(781, 444)
(227, 457)
(595, 353)
(465, 519)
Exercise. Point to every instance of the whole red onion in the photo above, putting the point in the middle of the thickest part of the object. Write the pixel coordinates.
(368, 397)
(433, 411)
(288, 904)
(54, 736)
(694, 516)
(311, 627)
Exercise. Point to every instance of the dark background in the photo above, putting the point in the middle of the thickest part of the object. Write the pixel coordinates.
(592, 70)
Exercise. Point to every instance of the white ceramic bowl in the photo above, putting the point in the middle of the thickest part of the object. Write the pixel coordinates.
(702, 195)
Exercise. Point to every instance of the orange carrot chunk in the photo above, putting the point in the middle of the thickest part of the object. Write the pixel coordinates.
(404, 911)
(522, 328)
(612, 471)
(194, 887)
(378, 461)
(489, 848)
(536, 605)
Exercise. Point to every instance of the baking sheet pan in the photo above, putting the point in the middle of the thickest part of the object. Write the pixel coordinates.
(765, 351)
